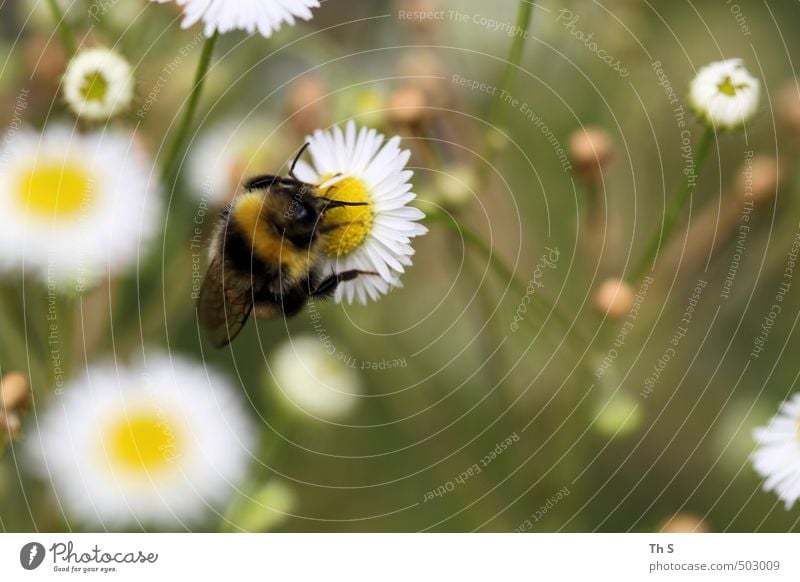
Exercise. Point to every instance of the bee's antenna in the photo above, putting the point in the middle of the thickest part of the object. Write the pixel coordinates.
(297, 159)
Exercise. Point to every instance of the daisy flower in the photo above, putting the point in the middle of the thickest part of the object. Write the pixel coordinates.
(777, 459)
(98, 84)
(359, 166)
(266, 16)
(312, 380)
(75, 206)
(156, 444)
(724, 94)
(227, 152)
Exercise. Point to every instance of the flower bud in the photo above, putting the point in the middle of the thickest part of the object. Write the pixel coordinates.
(306, 109)
(759, 179)
(614, 298)
(423, 69)
(685, 523)
(590, 149)
(456, 186)
(16, 391)
(407, 106)
(620, 416)
(787, 106)
(15, 394)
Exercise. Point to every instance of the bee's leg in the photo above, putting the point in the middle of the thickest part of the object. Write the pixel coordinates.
(329, 284)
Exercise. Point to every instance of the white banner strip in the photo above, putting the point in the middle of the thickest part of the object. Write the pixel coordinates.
(399, 557)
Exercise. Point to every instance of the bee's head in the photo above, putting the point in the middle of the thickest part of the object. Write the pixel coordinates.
(296, 209)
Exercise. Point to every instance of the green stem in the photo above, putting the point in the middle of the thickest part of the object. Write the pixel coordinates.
(64, 31)
(497, 112)
(674, 209)
(170, 172)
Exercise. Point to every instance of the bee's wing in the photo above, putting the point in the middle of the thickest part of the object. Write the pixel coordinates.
(224, 304)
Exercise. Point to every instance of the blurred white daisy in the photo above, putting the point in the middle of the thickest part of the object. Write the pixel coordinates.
(98, 84)
(377, 236)
(724, 94)
(265, 16)
(155, 444)
(230, 151)
(312, 380)
(75, 206)
(777, 459)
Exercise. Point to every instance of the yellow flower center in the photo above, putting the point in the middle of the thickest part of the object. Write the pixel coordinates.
(142, 442)
(353, 223)
(94, 87)
(728, 88)
(52, 189)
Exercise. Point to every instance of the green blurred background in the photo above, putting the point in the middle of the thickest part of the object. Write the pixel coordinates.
(470, 380)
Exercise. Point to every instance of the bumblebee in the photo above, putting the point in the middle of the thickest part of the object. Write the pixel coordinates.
(266, 254)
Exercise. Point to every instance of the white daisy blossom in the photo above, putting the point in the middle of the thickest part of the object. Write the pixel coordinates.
(777, 459)
(98, 84)
(156, 444)
(74, 207)
(312, 380)
(265, 16)
(724, 94)
(377, 237)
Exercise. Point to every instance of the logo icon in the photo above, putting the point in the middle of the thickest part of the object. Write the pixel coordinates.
(31, 555)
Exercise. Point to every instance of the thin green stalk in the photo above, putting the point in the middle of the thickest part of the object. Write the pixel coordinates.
(497, 111)
(498, 108)
(64, 31)
(170, 170)
(674, 210)
(170, 174)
